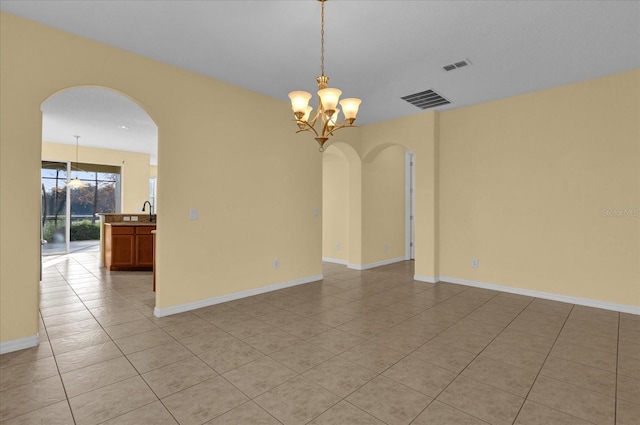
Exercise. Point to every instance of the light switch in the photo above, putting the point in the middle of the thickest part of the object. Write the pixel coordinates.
(193, 214)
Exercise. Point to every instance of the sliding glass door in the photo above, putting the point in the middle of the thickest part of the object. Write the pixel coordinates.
(69, 221)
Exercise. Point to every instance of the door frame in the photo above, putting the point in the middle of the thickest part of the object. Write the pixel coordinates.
(409, 205)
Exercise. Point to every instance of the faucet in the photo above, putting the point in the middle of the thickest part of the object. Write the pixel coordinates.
(150, 210)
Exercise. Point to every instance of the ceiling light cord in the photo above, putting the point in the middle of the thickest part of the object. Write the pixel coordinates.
(322, 40)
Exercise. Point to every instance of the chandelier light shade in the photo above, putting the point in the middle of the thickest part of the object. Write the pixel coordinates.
(325, 121)
(76, 182)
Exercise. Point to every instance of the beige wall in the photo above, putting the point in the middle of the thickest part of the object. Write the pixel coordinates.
(335, 205)
(525, 183)
(135, 169)
(383, 204)
(255, 187)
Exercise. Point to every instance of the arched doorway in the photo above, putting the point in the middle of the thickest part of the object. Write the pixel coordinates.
(107, 141)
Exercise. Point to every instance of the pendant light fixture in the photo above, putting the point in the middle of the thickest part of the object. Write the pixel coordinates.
(327, 104)
(76, 182)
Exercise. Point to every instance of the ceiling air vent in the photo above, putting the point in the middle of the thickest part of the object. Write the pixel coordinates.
(426, 99)
(457, 65)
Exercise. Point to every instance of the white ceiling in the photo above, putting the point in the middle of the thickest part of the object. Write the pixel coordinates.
(375, 50)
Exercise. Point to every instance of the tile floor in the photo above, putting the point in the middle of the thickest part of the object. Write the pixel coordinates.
(360, 347)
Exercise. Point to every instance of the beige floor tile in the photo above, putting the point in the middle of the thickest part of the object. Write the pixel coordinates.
(421, 376)
(373, 356)
(29, 397)
(111, 401)
(130, 328)
(445, 356)
(465, 340)
(335, 341)
(589, 341)
(588, 377)
(27, 373)
(71, 317)
(441, 414)
(280, 318)
(247, 413)
(229, 354)
(301, 356)
(297, 401)
(575, 401)
(25, 356)
(628, 389)
(482, 401)
(68, 329)
(272, 341)
(96, 376)
(512, 379)
(191, 328)
(201, 343)
(629, 366)
(87, 356)
(389, 401)
(259, 376)
(514, 356)
(143, 341)
(247, 328)
(340, 376)
(536, 414)
(204, 401)
(576, 353)
(174, 319)
(226, 318)
(156, 357)
(154, 413)
(305, 328)
(627, 413)
(345, 413)
(355, 324)
(178, 376)
(77, 341)
(118, 317)
(47, 312)
(630, 349)
(364, 327)
(400, 340)
(526, 340)
(54, 414)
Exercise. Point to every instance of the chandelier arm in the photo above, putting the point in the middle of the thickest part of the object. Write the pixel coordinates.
(306, 127)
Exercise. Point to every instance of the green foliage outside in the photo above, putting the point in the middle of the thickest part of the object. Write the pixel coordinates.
(80, 231)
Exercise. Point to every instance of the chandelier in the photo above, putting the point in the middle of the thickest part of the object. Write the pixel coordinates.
(327, 114)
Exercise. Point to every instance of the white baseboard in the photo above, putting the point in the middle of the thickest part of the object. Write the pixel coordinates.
(335, 260)
(19, 344)
(167, 311)
(428, 279)
(622, 308)
(374, 265)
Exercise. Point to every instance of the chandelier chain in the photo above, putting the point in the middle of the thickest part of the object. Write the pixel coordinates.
(322, 40)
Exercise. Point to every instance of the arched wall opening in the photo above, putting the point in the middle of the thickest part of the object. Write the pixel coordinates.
(115, 156)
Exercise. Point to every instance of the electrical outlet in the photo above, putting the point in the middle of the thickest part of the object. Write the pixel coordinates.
(126, 218)
(315, 212)
(276, 264)
(474, 263)
(134, 218)
(337, 247)
(386, 247)
(193, 214)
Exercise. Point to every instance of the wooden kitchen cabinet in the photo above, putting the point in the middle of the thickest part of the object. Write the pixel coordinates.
(128, 247)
